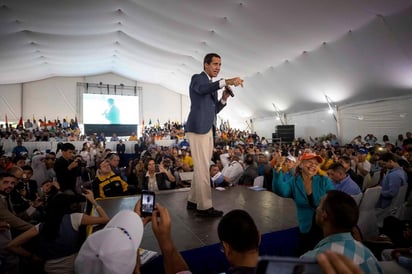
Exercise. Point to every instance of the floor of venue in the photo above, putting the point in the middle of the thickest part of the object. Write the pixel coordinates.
(270, 212)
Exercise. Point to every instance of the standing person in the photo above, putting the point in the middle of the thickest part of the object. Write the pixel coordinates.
(66, 169)
(306, 188)
(202, 117)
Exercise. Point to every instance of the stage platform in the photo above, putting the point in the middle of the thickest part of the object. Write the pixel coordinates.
(270, 212)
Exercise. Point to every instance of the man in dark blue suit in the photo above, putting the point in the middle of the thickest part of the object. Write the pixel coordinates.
(199, 129)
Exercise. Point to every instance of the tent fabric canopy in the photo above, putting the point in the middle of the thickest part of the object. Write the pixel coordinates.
(291, 53)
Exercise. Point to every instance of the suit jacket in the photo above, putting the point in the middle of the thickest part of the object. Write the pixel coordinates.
(204, 104)
(9, 217)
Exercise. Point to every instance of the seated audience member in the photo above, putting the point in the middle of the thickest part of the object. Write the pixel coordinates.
(155, 180)
(114, 138)
(337, 214)
(240, 239)
(29, 184)
(392, 181)
(345, 161)
(132, 176)
(25, 192)
(107, 183)
(114, 249)
(233, 170)
(42, 165)
(341, 180)
(250, 172)
(59, 239)
(19, 150)
(216, 177)
(306, 188)
(7, 214)
(49, 161)
(19, 161)
(186, 158)
(114, 161)
(10, 224)
(167, 163)
(360, 164)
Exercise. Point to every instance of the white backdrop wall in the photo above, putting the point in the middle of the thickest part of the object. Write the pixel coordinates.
(53, 97)
(314, 123)
(10, 102)
(391, 117)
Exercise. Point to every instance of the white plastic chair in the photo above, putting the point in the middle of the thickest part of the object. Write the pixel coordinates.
(367, 221)
(357, 198)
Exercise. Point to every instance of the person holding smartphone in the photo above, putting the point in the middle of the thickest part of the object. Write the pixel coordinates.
(155, 180)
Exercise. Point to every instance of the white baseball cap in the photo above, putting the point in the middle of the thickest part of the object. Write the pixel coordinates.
(114, 248)
(291, 158)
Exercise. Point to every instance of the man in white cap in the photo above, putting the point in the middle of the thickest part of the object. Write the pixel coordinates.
(288, 166)
(112, 249)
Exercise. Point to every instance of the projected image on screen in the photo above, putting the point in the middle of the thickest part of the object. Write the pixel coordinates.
(110, 109)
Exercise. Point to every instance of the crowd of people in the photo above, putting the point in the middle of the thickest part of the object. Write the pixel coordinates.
(299, 170)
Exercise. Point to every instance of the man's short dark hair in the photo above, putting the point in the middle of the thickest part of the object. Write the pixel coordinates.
(208, 58)
(68, 146)
(5, 175)
(342, 209)
(26, 167)
(388, 156)
(337, 167)
(238, 230)
(111, 155)
(346, 159)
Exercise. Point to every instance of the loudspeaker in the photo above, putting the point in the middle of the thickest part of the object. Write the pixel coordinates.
(286, 132)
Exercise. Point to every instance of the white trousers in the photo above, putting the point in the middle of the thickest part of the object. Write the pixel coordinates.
(201, 148)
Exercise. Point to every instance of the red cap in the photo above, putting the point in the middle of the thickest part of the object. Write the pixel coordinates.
(310, 155)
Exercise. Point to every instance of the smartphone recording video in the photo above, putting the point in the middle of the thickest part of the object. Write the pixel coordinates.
(147, 203)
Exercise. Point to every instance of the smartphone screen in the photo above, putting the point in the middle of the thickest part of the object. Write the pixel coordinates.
(287, 265)
(147, 203)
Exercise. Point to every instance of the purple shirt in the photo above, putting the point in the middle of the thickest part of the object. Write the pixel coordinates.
(348, 186)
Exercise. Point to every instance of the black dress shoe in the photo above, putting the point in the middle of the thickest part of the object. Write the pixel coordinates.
(191, 205)
(211, 212)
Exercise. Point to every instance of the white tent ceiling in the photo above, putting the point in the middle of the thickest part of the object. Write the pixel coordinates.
(290, 52)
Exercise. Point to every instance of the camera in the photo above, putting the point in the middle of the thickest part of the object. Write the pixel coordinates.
(157, 169)
(81, 162)
(147, 203)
